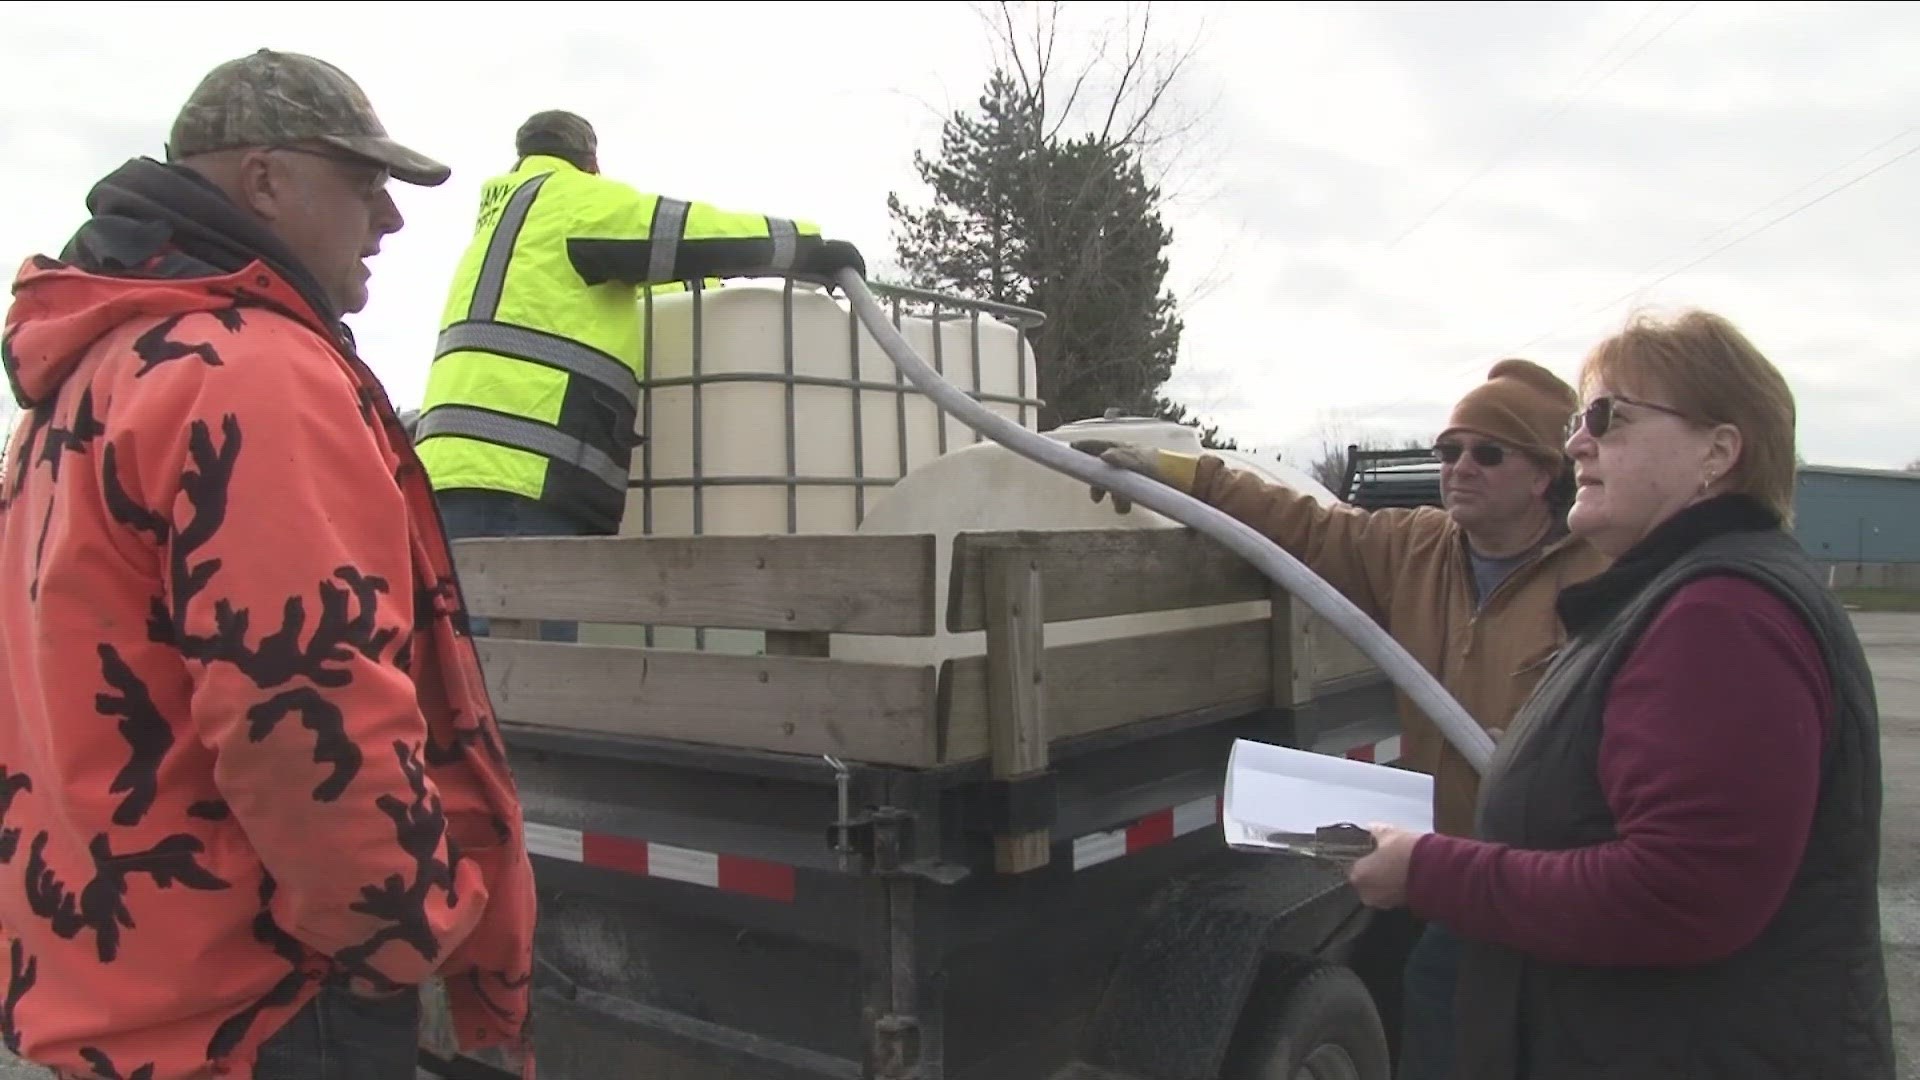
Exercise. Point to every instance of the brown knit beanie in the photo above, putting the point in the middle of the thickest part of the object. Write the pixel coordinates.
(1522, 405)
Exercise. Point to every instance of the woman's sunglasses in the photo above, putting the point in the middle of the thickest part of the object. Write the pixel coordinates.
(1486, 455)
(1597, 417)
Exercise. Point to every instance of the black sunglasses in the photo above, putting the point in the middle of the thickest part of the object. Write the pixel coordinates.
(1598, 416)
(1486, 455)
(373, 172)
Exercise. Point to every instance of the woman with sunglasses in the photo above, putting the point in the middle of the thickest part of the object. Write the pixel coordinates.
(1675, 872)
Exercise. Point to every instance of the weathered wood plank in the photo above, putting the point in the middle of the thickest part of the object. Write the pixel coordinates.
(1101, 685)
(1099, 572)
(880, 713)
(1292, 648)
(1016, 701)
(1334, 657)
(848, 584)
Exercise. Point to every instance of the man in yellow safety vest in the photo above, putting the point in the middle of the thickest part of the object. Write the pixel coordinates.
(528, 424)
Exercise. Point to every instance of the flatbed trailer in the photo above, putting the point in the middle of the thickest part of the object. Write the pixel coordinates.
(1006, 865)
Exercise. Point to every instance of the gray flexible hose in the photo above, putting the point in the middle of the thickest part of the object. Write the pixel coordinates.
(1279, 566)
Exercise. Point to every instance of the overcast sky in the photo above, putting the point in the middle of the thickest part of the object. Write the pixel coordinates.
(1552, 161)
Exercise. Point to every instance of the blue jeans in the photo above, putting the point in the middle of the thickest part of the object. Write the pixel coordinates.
(343, 1036)
(472, 514)
(1426, 1033)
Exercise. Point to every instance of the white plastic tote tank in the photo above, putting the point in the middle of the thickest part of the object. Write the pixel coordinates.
(768, 409)
(988, 488)
(747, 436)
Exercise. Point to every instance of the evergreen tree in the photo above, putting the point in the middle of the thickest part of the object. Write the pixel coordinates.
(973, 237)
(1070, 226)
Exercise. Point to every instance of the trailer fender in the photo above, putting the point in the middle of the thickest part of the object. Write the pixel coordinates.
(1178, 989)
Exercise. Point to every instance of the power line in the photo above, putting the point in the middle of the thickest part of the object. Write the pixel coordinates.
(1742, 238)
(1568, 95)
(1778, 199)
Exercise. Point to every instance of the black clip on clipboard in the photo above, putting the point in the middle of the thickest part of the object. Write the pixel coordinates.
(1342, 843)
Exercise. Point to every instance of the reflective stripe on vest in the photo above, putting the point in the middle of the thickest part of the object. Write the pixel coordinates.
(786, 242)
(523, 344)
(670, 219)
(493, 269)
(528, 435)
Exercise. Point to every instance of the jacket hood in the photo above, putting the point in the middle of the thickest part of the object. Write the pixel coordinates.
(162, 241)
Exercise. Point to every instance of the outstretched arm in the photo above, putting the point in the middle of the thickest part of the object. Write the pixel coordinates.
(648, 239)
(1358, 552)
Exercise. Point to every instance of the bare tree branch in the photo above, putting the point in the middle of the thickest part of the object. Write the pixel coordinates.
(1136, 85)
(1136, 51)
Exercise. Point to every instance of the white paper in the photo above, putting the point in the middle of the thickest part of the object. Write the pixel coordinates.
(1276, 789)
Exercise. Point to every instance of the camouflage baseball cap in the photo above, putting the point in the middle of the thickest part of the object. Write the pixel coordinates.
(275, 98)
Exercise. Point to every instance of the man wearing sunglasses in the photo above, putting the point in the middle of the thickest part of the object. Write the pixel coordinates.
(252, 790)
(1468, 591)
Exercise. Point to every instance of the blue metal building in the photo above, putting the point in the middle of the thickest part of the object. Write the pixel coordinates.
(1858, 515)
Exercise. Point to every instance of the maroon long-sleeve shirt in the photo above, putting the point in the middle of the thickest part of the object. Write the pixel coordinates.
(1710, 761)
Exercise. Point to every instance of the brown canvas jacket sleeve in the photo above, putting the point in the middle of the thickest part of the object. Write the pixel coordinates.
(1359, 552)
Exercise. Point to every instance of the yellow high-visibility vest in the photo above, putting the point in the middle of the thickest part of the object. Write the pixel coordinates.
(535, 384)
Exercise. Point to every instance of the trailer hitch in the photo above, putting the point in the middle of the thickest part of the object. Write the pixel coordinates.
(879, 840)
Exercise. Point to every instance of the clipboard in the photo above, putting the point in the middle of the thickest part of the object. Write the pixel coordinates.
(1344, 843)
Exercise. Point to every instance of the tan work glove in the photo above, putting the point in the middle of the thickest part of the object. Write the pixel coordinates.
(1173, 469)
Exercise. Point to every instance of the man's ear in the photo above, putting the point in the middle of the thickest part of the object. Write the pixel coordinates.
(261, 183)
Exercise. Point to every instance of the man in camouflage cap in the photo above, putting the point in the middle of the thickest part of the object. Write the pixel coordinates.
(244, 738)
(308, 118)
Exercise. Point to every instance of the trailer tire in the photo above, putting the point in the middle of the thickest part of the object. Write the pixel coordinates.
(1314, 1021)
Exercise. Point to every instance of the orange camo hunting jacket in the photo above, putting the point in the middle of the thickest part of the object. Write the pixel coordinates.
(245, 744)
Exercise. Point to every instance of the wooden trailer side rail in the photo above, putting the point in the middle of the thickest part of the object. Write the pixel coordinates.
(796, 588)
(1282, 656)
(799, 589)
(806, 583)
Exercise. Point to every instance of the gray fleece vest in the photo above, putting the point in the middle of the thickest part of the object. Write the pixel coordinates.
(1808, 998)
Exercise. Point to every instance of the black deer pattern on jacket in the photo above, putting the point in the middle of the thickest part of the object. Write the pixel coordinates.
(104, 1068)
(100, 905)
(419, 826)
(145, 729)
(22, 972)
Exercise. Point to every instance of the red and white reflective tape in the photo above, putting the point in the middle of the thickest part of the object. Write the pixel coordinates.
(1384, 752)
(1150, 831)
(1190, 817)
(727, 873)
(774, 881)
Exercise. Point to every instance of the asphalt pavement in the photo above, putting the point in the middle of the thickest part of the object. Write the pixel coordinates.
(1893, 646)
